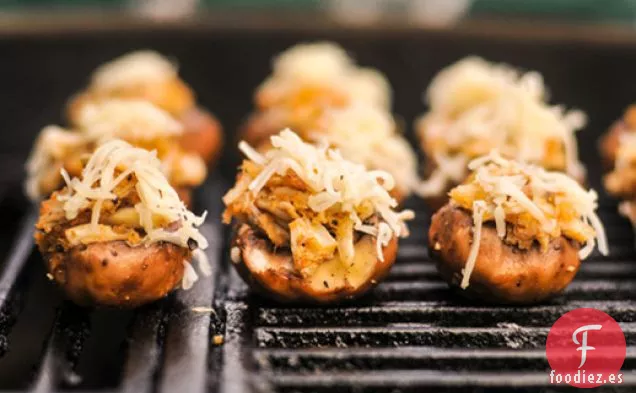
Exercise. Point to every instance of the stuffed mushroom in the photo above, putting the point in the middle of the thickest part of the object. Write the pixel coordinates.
(146, 75)
(476, 106)
(514, 233)
(611, 141)
(306, 80)
(318, 92)
(621, 181)
(309, 225)
(118, 235)
(137, 122)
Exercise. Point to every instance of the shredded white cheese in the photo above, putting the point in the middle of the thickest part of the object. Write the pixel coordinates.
(189, 276)
(367, 135)
(478, 219)
(514, 188)
(132, 120)
(204, 262)
(331, 180)
(476, 106)
(137, 68)
(326, 64)
(235, 255)
(109, 165)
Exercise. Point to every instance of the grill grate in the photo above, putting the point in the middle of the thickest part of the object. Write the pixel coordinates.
(411, 333)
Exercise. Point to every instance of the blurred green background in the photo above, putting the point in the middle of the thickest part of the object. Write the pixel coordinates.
(619, 11)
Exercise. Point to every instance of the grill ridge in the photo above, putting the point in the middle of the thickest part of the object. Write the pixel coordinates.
(22, 247)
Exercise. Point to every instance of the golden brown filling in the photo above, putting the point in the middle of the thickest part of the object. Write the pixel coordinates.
(629, 118)
(301, 108)
(553, 157)
(281, 211)
(173, 95)
(309, 78)
(621, 182)
(314, 202)
(118, 220)
(525, 229)
(539, 206)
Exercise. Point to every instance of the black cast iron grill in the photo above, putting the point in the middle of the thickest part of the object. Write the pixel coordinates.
(411, 333)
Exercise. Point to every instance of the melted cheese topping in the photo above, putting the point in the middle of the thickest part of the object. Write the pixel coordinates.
(327, 65)
(316, 62)
(476, 106)
(544, 205)
(136, 68)
(52, 145)
(473, 81)
(370, 85)
(367, 135)
(138, 122)
(132, 120)
(113, 162)
(333, 182)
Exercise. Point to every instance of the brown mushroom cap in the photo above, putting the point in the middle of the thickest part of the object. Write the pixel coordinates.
(272, 272)
(503, 273)
(116, 274)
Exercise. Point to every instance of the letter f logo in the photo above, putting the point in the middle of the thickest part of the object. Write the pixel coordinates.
(584, 347)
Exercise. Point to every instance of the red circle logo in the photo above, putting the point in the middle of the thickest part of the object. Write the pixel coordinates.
(585, 348)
